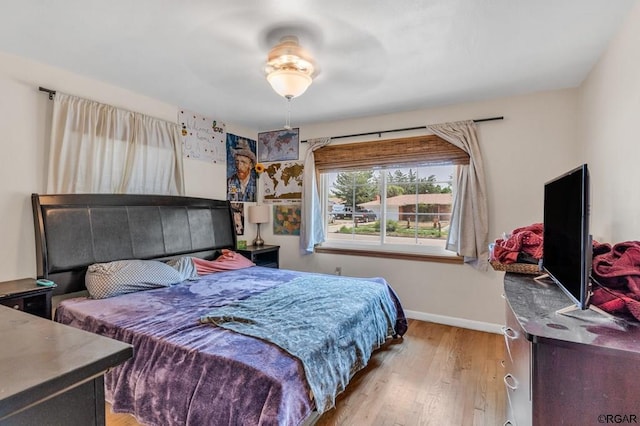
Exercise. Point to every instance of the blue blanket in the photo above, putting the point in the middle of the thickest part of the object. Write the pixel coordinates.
(331, 347)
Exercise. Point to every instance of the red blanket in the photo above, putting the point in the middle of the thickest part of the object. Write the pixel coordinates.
(527, 239)
(617, 268)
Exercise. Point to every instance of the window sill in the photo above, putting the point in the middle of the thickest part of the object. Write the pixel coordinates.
(423, 257)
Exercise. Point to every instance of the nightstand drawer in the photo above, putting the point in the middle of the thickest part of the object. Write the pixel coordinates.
(266, 256)
(25, 295)
(14, 302)
(36, 304)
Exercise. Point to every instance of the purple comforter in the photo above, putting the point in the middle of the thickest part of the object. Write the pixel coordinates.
(187, 373)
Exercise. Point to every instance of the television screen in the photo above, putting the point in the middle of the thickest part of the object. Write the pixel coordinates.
(567, 246)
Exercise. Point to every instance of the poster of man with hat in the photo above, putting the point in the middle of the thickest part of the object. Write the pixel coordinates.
(241, 175)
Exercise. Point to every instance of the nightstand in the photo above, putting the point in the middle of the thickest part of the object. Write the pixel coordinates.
(265, 255)
(25, 295)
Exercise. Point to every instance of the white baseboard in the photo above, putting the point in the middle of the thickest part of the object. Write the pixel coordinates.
(456, 322)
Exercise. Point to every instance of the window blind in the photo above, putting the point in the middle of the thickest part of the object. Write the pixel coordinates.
(428, 149)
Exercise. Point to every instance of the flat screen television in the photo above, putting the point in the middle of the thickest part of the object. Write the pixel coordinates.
(567, 245)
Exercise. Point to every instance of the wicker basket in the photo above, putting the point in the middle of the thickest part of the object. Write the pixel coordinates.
(518, 268)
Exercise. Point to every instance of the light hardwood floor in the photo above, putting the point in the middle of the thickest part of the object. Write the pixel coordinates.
(437, 375)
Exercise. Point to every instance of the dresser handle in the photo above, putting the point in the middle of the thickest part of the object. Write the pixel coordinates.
(509, 333)
(510, 382)
(16, 306)
(507, 423)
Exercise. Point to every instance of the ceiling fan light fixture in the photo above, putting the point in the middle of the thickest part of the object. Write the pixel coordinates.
(289, 83)
(289, 68)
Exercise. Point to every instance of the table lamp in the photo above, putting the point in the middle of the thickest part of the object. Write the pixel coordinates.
(258, 214)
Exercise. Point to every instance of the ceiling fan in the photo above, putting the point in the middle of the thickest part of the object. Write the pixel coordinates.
(251, 46)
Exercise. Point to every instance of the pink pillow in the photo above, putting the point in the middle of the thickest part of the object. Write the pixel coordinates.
(227, 261)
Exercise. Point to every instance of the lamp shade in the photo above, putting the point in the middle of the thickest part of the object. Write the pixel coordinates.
(289, 83)
(259, 213)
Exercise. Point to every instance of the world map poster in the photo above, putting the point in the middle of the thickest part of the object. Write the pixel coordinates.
(278, 145)
(286, 219)
(282, 181)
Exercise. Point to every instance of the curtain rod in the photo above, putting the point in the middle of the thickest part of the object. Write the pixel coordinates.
(51, 93)
(379, 133)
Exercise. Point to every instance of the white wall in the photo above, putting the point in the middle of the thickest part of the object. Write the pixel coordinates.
(610, 105)
(535, 142)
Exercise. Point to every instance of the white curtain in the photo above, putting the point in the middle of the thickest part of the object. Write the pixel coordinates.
(469, 227)
(312, 225)
(98, 148)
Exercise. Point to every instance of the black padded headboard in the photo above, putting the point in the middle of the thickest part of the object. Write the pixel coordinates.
(74, 231)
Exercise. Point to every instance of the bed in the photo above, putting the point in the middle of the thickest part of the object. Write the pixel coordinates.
(200, 356)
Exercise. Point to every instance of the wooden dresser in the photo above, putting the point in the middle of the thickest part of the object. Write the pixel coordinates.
(52, 374)
(577, 369)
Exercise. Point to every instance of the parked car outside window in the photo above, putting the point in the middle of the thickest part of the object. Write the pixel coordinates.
(364, 215)
(339, 211)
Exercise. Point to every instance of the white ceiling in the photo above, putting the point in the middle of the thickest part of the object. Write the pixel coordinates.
(375, 56)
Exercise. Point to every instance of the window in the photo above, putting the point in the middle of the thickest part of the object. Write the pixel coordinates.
(392, 196)
(397, 208)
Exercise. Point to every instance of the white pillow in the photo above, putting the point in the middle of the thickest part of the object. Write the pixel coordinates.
(185, 266)
(127, 276)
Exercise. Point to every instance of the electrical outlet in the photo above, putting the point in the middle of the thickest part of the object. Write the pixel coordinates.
(338, 270)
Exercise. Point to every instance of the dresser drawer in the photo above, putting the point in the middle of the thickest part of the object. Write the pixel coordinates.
(517, 379)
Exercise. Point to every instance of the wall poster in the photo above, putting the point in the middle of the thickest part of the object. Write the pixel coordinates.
(278, 145)
(202, 138)
(286, 219)
(283, 182)
(241, 173)
(238, 217)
